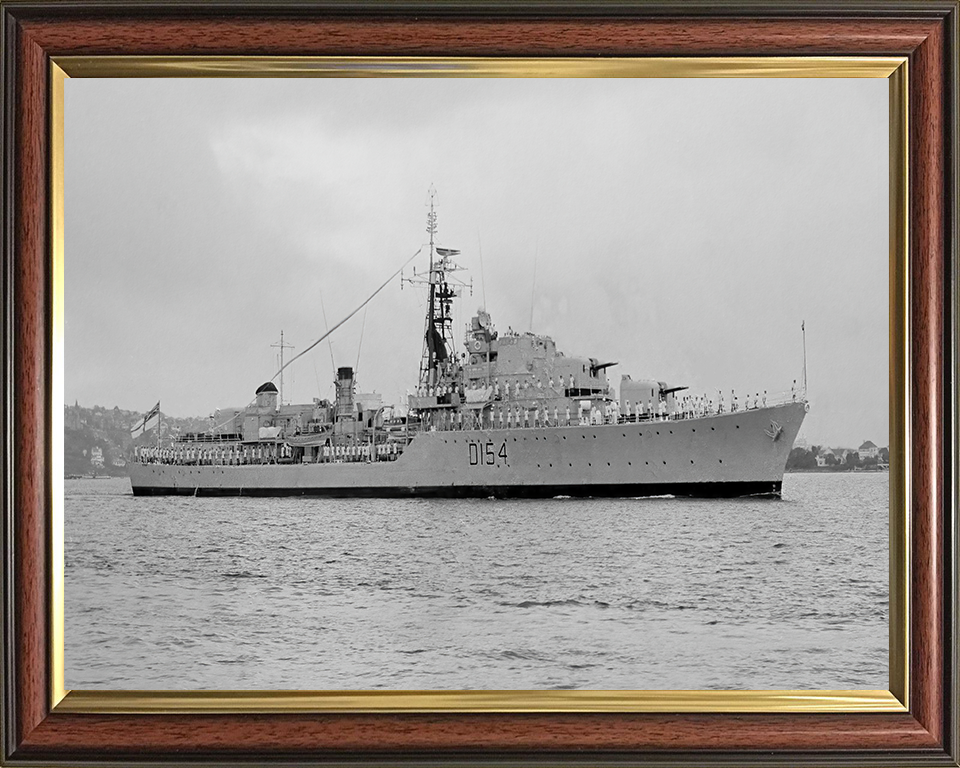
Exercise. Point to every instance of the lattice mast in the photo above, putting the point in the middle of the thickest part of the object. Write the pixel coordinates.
(438, 362)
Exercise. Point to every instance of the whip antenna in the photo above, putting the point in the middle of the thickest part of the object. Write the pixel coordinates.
(533, 288)
(483, 284)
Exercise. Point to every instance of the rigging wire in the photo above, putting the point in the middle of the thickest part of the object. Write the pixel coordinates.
(361, 306)
(363, 324)
(331, 330)
(316, 375)
(326, 327)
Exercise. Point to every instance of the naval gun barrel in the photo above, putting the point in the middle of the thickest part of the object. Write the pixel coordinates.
(597, 367)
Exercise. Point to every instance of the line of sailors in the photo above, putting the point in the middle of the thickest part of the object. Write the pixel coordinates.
(689, 406)
(270, 453)
(696, 406)
(510, 417)
(339, 453)
(227, 455)
(506, 389)
(700, 405)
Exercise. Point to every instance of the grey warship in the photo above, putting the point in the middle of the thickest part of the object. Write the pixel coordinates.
(510, 416)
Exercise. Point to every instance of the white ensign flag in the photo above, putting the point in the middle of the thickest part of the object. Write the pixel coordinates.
(147, 422)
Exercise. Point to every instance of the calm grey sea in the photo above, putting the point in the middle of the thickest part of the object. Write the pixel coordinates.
(186, 593)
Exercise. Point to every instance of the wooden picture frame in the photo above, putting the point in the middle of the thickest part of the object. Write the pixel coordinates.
(40, 729)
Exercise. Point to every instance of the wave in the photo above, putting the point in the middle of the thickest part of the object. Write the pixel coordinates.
(541, 603)
(569, 602)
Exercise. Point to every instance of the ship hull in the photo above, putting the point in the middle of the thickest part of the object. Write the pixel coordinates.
(726, 455)
(708, 490)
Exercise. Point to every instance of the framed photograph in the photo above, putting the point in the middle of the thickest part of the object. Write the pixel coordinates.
(479, 340)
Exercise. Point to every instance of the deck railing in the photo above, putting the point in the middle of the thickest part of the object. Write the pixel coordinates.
(444, 421)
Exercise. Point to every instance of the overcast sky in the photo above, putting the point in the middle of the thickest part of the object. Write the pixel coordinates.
(684, 228)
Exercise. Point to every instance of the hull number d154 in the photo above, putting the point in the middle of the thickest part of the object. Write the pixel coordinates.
(487, 454)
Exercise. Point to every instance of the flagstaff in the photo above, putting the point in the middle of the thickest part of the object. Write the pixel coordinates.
(803, 333)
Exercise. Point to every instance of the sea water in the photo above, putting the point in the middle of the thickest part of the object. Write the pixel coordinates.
(663, 593)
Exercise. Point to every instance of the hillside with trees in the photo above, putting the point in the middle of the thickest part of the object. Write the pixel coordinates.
(97, 440)
(818, 458)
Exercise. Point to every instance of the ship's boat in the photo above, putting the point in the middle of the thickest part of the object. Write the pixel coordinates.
(510, 416)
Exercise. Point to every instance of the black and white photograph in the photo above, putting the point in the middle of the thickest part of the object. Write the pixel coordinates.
(402, 383)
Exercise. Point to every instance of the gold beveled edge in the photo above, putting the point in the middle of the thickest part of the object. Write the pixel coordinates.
(899, 361)
(413, 66)
(132, 702)
(235, 702)
(56, 616)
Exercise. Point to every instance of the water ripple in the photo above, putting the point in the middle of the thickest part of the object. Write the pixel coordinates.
(195, 593)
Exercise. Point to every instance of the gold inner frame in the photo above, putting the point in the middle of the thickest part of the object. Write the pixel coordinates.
(894, 69)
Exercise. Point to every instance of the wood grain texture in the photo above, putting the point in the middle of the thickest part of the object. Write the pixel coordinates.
(918, 736)
(427, 37)
(30, 389)
(927, 262)
(294, 735)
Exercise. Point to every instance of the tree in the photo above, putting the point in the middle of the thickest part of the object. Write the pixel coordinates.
(801, 458)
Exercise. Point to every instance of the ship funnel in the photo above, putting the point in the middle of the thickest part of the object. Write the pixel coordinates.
(344, 383)
(267, 395)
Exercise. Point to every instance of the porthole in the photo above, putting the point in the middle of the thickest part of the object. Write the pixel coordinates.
(691, 461)
(721, 461)
(738, 426)
(608, 463)
(693, 430)
(712, 429)
(589, 464)
(664, 461)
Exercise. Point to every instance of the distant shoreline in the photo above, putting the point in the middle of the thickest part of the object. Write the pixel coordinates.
(816, 470)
